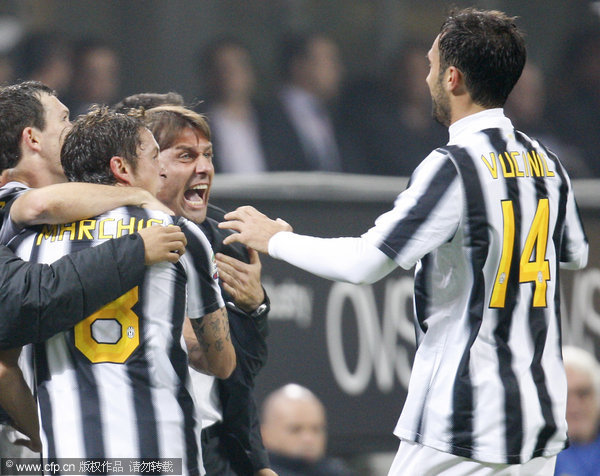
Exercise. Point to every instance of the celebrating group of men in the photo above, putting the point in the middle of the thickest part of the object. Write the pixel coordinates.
(487, 220)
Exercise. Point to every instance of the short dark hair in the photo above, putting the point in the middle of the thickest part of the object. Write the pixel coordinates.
(148, 101)
(20, 107)
(95, 138)
(487, 48)
(167, 122)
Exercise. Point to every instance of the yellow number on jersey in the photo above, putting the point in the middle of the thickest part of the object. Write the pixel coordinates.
(124, 322)
(536, 271)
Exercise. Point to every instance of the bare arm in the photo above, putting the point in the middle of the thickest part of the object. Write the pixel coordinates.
(17, 400)
(195, 353)
(67, 202)
(212, 333)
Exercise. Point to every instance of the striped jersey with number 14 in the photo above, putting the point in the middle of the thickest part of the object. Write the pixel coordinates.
(487, 219)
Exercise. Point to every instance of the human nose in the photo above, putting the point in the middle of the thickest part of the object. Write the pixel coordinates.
(203, 165)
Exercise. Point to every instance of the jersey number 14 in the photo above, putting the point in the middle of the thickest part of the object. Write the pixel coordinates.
(533, 267)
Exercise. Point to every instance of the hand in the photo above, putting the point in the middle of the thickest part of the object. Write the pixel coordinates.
(265, 472)
(34, 444)
(151, 202)
(242, 280)
(163, 243)
(254, 228)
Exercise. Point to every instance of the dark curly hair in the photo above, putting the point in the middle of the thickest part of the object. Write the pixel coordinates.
(487, 48)
(95, 138)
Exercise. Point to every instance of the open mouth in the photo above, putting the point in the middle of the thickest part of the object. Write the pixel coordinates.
(196, 196)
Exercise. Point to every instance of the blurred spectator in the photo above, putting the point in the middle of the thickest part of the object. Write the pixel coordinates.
(298, 126)
(294, 431)
(96, 75)
(576, 98)
(391, 115)
(229, 74)
(45, 57)
(582, 458)
(526, 107)
(11, 32)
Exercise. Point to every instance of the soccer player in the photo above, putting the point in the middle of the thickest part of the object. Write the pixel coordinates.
(487, 219)
(232, 443)
(33, 122)
(116, 385)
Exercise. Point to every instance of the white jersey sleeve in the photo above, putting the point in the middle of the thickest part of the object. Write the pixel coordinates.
(204, 295)
(574, 248)
(425, 216)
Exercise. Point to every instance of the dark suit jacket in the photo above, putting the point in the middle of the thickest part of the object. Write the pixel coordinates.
(239, 437)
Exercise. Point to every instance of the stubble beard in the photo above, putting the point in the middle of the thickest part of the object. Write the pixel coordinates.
(440, 105)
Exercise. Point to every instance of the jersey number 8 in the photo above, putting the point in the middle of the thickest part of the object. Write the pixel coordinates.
(112, 333)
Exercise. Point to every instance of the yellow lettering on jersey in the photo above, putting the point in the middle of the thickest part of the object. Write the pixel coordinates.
(504, 159)
(48, 232)
(549, 173)
(535, 165)
(85, 228)
(69, 227)
(121, 227)
(493, 166)
(153, 221)
(2, 204)
(513, 157)
(526, 164)
(140, 224)
(101, 234)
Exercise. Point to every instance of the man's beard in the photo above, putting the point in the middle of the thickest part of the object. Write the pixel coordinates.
(440, 105)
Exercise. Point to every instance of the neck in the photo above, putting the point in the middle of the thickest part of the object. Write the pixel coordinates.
(33, 172)
(462, 109)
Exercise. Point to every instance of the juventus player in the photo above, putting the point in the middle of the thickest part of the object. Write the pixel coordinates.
(487, 220)
(116, 385)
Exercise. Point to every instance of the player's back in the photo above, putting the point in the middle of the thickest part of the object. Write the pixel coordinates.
(117, 384)
(490, 384)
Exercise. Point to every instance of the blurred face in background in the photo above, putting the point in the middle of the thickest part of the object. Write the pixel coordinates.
(235, 77)
(583, 406)
(99, 76)
(296, 428)
(321, 70)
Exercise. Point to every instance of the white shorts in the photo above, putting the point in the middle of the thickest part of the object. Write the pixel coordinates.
(413, 459)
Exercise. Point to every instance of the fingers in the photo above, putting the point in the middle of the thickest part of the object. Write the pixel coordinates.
(163, 243)
(253, 255)
(235, 238)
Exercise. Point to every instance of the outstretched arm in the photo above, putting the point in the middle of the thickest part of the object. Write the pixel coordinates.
(67, 202)
(353, 260)
(254, 228)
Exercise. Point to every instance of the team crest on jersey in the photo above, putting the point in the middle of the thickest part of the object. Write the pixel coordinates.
(214, 269)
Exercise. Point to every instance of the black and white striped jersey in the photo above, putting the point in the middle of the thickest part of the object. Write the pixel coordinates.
(488, 220)
(117, 384)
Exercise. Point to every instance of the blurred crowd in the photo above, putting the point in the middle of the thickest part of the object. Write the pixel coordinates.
(315, 116)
